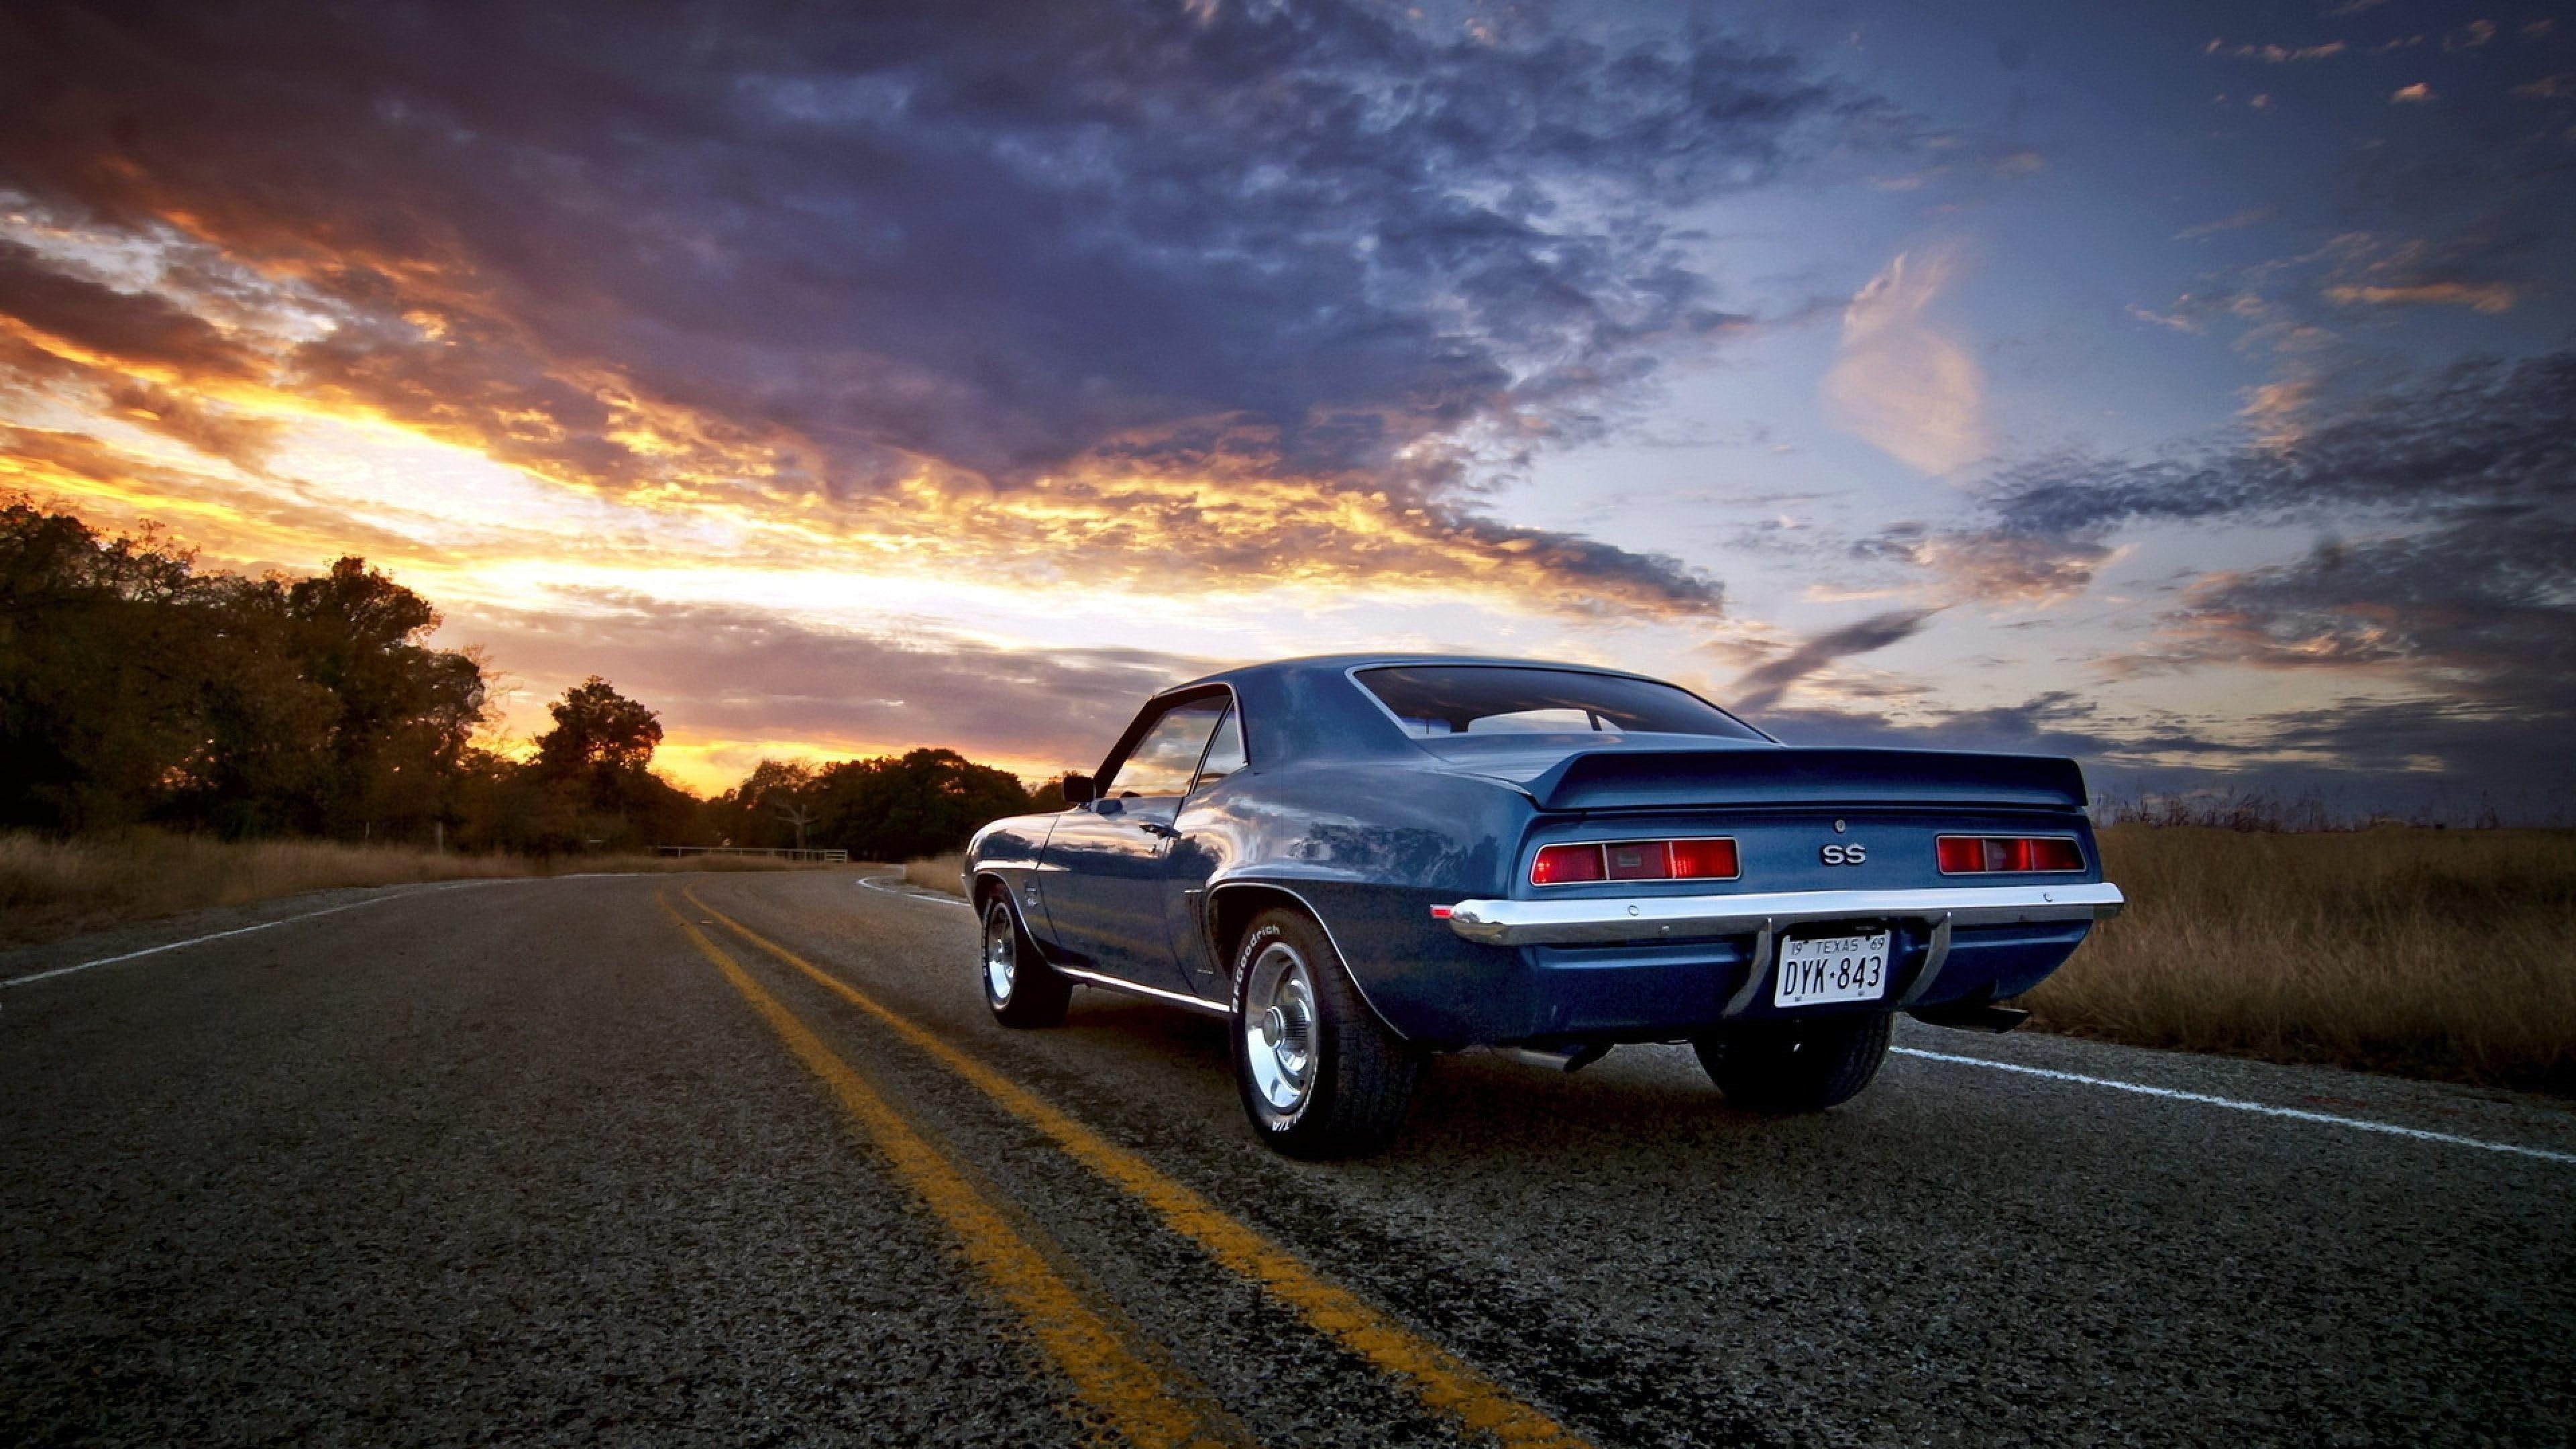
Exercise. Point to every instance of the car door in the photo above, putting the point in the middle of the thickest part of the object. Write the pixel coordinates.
(1201, 842)
(1105, 885)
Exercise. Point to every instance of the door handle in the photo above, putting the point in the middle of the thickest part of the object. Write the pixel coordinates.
(1154, 827)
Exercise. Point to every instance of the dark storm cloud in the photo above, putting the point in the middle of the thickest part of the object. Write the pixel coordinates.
(1760, 687)
(2480, 434)
(2432, 759)
(2056, 722)
(132, 328)
(998, 237)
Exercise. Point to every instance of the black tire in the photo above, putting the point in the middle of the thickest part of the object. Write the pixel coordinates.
(1796, 1066)
(1359, 1077)
(1028, 992)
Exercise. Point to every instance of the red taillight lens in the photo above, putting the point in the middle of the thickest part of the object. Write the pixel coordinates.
(1634, 860)
(1704, 860)
(1567, 864)
(1977, 854)
(1639, 860)
(2054, 853)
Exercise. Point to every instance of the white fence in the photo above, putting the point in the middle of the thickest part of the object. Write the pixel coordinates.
(827, 857)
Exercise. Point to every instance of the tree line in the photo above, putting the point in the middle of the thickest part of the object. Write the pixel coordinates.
(137, 688)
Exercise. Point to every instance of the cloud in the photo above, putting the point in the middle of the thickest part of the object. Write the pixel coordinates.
(2453, 612)
(2275, 54)
(854, 267)
(87, 321)
(1901, 383)
(2461, 641)
(2477, 434)
(1760, 687)
(757, 680)
(2409, 95)
(2177, 321)
(2481, 609)
(2227, 223)
(2483, 296)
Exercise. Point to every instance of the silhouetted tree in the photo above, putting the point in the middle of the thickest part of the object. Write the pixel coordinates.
(133, 687)
(596, 767)
(760, 811)
(926, 802)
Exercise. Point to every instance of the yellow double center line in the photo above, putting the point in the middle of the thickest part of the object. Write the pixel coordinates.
(1441, 1379)
(1150, 1403)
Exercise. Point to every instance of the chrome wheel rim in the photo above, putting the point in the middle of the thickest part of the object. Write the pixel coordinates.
(1279, 1027)
(1001, 955)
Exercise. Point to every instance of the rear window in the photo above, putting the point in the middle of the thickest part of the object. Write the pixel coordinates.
(1483, 699)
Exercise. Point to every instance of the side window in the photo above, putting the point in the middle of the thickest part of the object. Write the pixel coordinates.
(1162, 762)
(1224, 753)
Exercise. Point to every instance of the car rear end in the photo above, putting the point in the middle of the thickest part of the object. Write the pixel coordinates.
(1660, 893)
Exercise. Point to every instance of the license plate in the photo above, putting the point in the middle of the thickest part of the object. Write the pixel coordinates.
(1816, 969)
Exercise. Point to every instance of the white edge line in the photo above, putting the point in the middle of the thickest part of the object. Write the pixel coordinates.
(2297, 1114)
(397, 894)
(908, 892)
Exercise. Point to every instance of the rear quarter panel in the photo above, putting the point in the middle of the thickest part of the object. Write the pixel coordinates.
(1370, 847)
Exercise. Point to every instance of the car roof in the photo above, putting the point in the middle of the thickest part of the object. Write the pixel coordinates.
(1318, 664)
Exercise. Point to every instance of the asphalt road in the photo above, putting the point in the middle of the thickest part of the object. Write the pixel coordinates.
(549, 1162)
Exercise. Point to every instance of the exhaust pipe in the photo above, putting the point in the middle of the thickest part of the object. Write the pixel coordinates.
(1972, 1016)
(1556, 1061)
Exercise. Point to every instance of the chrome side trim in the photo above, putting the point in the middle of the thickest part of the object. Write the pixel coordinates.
(1632, 918)
(1174, 998)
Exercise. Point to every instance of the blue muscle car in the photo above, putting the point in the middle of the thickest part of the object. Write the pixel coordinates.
(1358, 861)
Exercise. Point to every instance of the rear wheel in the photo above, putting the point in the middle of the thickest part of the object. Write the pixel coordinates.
(1320, 1076)
(1021, 989)
(1796, 1066)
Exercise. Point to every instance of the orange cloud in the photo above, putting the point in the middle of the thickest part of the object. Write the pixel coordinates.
(2484, 296)
(1901, 382)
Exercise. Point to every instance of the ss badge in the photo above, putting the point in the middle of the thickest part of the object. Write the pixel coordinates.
(1852, 854)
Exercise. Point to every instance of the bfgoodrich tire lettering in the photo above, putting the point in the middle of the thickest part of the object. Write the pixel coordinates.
(1319, 1075)
(1019, 986)
(1796, 1066)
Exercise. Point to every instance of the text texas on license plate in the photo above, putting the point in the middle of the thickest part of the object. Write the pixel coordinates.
(1817, 969)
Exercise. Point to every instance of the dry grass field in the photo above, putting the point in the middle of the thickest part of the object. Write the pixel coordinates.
(2438, 953)
(938, 872)
(51, 888)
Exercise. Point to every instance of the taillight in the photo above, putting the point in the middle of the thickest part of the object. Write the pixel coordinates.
(1567, 865)
(1704, 859)
(1594, 860)
(1980, 854)
(1639, 860)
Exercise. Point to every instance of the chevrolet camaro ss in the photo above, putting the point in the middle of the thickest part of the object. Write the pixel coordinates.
(1360, 861)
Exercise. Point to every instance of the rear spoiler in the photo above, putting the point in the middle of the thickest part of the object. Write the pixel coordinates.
(1612, 779)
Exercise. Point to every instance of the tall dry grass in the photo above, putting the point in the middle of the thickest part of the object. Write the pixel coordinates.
(51, 888)
(2441, 953)
(938, 872)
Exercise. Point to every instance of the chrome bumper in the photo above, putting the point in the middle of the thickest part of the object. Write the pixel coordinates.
(1636, 918)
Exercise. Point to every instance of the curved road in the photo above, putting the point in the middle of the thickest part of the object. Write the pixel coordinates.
(739, 1159)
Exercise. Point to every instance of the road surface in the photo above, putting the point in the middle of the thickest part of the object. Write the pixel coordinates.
(740, 1159)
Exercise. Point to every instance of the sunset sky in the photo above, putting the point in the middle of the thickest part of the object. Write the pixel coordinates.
(2189, 388)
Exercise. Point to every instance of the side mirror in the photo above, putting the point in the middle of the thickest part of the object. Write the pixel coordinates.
(1080, 790)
